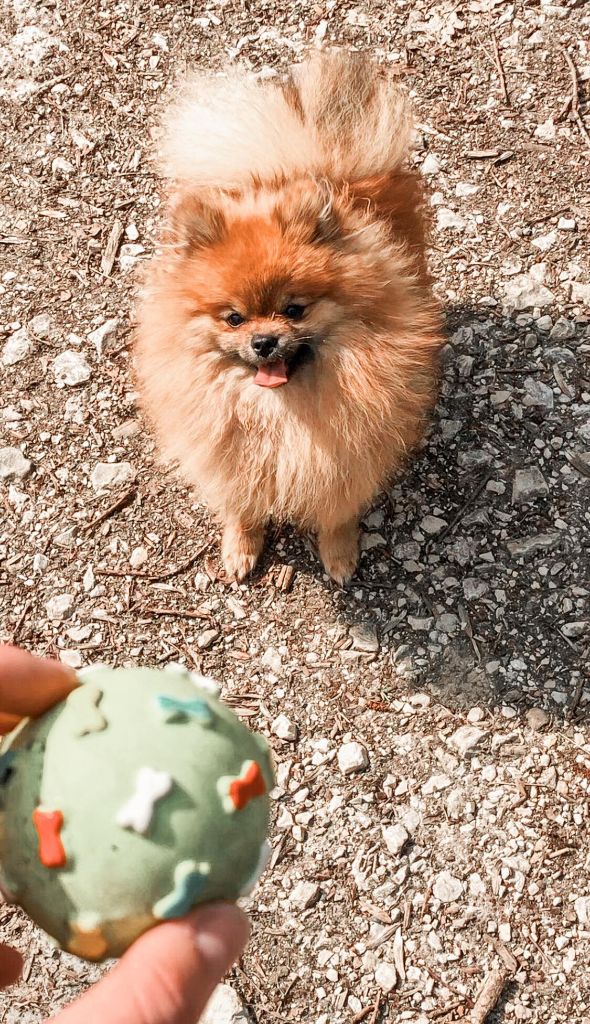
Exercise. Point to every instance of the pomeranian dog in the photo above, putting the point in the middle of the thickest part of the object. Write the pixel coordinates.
(288, 338)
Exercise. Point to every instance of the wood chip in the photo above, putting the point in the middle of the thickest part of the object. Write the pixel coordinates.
(111, 248)
(489, 995)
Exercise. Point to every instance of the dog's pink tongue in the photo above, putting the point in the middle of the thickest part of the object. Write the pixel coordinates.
(273, 375)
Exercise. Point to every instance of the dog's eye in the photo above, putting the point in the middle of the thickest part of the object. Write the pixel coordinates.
(294, 311)
(235, 319)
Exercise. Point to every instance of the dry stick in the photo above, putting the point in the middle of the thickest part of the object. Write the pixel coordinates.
(117, 505)
(111, 248)
(473, 497)
(467, 1000)
(175, 613)
(158, 577)
(501, 72)
(376, 1009)
(489, 994)
(576, 97)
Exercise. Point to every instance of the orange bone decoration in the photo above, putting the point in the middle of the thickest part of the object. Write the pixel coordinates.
(48, 826)
(250, 785)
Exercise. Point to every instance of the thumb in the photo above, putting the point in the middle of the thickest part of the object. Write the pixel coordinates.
(168, 975)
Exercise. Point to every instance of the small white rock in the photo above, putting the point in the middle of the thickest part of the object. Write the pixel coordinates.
(138, 557)
(17, 348)
(225, 1007)
(40, 563)
(430, 164)
(466, 738)
(528, 484)
(448, 220)
(447, 888)
(536, 718)
(432, 525)
(111, 474)
(271, 659)
(60, 607)
(13, 465)
(70, 368)
(386, 976)
(305, 895)
(102, 335)
(395, 837)
(352, 757)
(582, 909)
(284, 728)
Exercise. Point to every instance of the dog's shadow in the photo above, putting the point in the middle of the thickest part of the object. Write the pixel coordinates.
(455, 604)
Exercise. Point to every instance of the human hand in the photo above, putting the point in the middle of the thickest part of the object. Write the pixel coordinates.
(168, 975)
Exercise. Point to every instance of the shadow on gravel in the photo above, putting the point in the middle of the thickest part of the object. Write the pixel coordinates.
(476, 577)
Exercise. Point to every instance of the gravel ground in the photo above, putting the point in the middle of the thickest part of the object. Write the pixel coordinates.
(430, 723)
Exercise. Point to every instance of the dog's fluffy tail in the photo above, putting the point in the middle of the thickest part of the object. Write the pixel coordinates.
(338, 116)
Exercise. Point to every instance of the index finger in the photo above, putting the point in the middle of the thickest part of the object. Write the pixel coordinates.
(30, 686)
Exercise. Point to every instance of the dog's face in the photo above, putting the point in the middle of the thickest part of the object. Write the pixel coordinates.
(268, 281)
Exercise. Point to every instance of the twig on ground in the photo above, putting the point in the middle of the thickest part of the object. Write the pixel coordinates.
(174, 613)
(111, 248)
(467, 1000)
(158, 577)
(466, 504)
(489, 994)
(121, 502)
(575, 101)
(501, 72)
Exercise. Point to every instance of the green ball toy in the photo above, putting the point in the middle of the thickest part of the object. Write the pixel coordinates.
(135, 799)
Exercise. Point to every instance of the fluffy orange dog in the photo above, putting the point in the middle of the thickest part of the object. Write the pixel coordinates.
(288, 338)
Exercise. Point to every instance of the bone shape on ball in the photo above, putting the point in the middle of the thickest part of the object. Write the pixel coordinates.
(150, 786)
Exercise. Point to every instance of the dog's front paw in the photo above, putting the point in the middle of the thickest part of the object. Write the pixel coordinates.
(240, 550)
(339, 551)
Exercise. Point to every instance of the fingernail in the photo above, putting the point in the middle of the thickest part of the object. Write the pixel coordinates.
(221, 932)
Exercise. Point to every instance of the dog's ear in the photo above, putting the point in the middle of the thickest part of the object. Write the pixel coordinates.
(308, 212)
(327, 227)
(194, 222)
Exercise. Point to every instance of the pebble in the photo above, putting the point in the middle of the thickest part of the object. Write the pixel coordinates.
(582, 909)
(352, 757)
(364, 638)
(395, 838)
(40, 325)
(284, 728)
(305, 895)
(562, 330)
(70, 368)
(448, 220)
(474, 589)
(545, 242)
(537, 393)
(566, 224)
(536, 718)
(138, 557)
(111, 474)
(432, 525)
(466, 738)
(102, 335)
(225, 1007)
(13, 464)
(17, 348)
(528, 484)
(525, 291)
(526, 547)
(60, 607)
(272, 659)
(207, 638)
(430, 164)
(447, 888)
(385, 976)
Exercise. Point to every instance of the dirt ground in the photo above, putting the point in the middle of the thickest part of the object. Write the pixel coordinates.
(458, 657)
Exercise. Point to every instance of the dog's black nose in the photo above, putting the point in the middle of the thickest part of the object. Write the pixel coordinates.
(264, 344)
